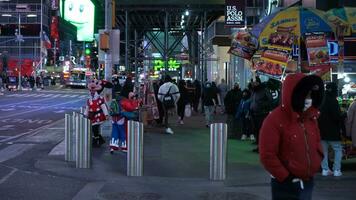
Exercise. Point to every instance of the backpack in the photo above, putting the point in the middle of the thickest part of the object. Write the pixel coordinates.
(114, 108)
(168, 100)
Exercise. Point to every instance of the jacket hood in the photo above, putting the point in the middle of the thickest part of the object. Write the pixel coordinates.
(295, 89)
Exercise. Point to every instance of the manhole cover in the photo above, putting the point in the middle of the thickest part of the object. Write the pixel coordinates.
(228, 196)
(132, 196)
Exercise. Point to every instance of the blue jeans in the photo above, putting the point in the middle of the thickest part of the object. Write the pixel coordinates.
(117, 135)
(336, 145)
(288, 190)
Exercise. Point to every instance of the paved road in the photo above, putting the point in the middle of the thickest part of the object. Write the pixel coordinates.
(24, 112)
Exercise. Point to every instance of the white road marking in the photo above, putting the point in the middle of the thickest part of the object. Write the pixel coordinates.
(7, 176)
(7, 109)
(6, 127)
(44, 107)
(56, 95)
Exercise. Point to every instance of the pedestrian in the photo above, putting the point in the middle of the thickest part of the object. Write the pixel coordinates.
(183, 101)
(127, 88)
(290, 148)
(243, 115)
(261, 105)
(190, 93)
(351, 122)
(156, 86)
(116, 89)
(330, 121)
(168, 94)
(209, 102)
(32, 82)
(197, 95)
(222, 87)
(231, 101)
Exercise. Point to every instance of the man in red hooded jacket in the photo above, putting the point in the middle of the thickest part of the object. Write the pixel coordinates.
(290, 148)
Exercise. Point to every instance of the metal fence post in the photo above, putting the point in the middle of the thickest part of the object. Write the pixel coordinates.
(83, 138)
(69, 146)
(135, 149)
(218, 147)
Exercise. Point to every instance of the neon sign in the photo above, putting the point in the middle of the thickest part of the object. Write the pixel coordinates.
(158, 65)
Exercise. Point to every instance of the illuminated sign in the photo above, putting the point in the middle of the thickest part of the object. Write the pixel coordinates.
(80, 13)
(173, 65)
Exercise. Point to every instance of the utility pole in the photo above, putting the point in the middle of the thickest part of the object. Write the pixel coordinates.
(108, 29)
(19, 40)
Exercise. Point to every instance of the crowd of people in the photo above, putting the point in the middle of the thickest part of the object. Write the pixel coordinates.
(26, 81)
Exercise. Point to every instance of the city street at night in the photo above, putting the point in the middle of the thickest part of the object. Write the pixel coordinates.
(177, 99)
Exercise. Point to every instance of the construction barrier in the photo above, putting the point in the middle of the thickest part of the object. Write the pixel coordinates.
(135, 149)
(218, 147)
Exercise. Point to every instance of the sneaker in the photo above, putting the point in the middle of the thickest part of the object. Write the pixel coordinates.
(207, 126)
(252, 137)
(326, 172)
(181, 122)
(169, 131)
(243, 137)
(337, 173)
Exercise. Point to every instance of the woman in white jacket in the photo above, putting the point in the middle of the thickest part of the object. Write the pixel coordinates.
(351, 122)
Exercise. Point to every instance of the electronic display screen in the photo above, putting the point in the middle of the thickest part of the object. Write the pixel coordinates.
(80, 13)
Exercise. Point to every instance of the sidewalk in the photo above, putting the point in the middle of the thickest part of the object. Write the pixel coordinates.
(177, 167)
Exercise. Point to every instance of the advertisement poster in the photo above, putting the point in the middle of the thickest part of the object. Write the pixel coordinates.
(317, 50)
(243, 45)
(235, 13)
(269, 68)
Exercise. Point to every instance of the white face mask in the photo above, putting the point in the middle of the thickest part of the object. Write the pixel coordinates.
(307, 104)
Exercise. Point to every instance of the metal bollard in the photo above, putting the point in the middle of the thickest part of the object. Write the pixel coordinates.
(82, 110)
(218, 146)
(69, 145)
(135, 149)
(83, 139)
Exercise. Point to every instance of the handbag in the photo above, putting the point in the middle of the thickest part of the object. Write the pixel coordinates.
(187, 110)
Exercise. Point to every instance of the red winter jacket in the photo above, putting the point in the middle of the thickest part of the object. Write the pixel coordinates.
(290, 141)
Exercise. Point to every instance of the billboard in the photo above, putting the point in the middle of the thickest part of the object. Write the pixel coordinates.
(80, 13)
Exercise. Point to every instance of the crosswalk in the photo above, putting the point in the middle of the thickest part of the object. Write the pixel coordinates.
(46, 95)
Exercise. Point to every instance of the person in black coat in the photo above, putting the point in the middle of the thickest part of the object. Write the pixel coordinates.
(183, 100)
(197, 95)
(127, 88)
(330, 130)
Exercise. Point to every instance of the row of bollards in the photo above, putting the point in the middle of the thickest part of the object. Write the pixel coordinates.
(78, 145)
(78, 140)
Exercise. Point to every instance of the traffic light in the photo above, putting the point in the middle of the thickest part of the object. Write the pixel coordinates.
(87, 49)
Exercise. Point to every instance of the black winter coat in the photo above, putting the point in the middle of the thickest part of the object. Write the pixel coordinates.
(330, 118)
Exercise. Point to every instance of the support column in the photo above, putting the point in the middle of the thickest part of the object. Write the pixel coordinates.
(205, 61)
(108, 28)
(166, 43)
(136, 63)
(127, 40)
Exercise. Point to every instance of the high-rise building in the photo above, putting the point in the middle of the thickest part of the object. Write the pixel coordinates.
(20, 26)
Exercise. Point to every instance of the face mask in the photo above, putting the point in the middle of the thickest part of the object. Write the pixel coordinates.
(307, 104)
